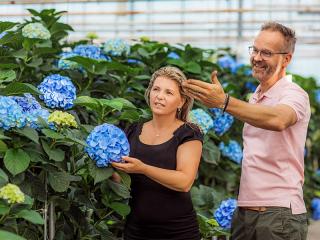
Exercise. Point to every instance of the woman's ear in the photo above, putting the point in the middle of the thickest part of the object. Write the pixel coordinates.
(183, 100)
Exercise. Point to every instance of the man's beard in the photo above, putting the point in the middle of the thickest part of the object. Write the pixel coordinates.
(263, 71)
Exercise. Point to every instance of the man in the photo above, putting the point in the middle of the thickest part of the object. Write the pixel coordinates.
(270, 201)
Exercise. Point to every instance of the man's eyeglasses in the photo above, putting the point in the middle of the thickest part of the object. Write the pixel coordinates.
(263, 53)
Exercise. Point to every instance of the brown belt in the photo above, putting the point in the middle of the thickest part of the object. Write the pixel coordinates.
(258, 209)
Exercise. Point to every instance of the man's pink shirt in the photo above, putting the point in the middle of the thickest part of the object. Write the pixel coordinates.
(273, 162)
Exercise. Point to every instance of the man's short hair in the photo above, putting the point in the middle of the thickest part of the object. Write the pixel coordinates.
(288, 34)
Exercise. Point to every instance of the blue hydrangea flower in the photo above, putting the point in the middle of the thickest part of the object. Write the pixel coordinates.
(89, 51)
(32, 110)
(230, 63)
(57, 91)
(250, 86)
(202, 119)
(223, 215)
(28, 102)
(133, 61)
(222, 121)
(317, 92)
(233, 151)
(116, 47)
(248, 72)
(173, 55)
(65, 64)
(36, 30)
(318, 172)
(11, 114)
(107, 143)
(315, 205)
(3, 34)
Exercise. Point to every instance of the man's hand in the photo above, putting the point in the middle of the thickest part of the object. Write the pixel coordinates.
(212, 95)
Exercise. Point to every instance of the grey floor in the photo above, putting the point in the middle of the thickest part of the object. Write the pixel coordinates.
(314, 231)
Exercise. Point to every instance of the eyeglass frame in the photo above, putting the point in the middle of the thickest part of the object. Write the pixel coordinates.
(263, 52)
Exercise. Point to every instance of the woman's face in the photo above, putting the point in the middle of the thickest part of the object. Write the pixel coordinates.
(165, 97)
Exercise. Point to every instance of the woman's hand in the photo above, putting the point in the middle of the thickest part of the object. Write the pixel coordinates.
(131, 165)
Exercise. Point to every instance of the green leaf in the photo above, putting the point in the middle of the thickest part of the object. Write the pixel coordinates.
(31, 216)
(58, 27)
(119, 189)
(3, 177)
(3, 146)
(4, 209)
(36, 62)
(29, 133)
(52, 134)
(59, 181)
(6, 26)
(22, 54)
(76, 140)
(8, 65)
(10, 236)
(213, 222)
(54, 154)
(16, 161)
(99, 174)
(125, 179)
(18, 88)
(211, 153)
(33, 12)
(121, 208)
(130, 115)
(193, 67)
(7, 75)
(126, 103)
(143, 52)
(3, 137)
(111, 103)
(87, 101)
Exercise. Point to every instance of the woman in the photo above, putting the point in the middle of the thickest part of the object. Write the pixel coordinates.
(164, 158)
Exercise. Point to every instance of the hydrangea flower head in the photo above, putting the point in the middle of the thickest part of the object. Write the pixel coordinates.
(62, 119)
(317, 92)
(12, 193)
(116, 47)
(57, 91)
(224, 213)
(250, 86)
(233, 151)
(89, 51)
(107, 143)
(11, 114)
(36, 30)
(173, 55)
(32, 110)
(202, 119)
(315, 205)
(222, 121)
(3, 34)
(133, 61)
(230, 63)
(65, 64)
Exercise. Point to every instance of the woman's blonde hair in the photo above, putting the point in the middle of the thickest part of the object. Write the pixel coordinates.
(178, 76)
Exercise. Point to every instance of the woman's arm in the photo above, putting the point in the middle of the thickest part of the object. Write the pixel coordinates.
(181, 179)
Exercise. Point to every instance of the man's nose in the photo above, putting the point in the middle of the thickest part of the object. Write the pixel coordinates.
(257, 57)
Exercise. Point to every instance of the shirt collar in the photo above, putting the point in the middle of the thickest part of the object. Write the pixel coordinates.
(272, 90)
